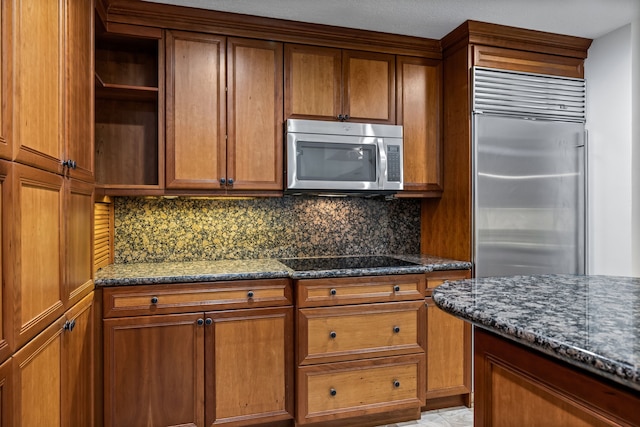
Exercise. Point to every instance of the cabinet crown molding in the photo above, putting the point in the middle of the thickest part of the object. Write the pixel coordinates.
(483, 33)
(239, 25)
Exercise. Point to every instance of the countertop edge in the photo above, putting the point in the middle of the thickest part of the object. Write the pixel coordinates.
(622, 373)
(424, 264)
(164, 280)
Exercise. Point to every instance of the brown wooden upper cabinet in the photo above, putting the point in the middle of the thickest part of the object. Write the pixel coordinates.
(419, 107)
(335, 84)
(52, 85)
(224, 118)
(129, 107)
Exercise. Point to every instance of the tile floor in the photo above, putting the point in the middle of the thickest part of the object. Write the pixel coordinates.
(451, 417)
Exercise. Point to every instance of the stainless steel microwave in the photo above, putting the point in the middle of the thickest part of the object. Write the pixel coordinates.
(343, 157)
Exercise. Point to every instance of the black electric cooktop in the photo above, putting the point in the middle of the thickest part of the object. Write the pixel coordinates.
(340, 263)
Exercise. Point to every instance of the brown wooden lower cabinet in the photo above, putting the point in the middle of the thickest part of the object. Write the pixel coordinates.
(360, 350)
(231, 368)
(448, 350)
(518, 386)
(53, 373)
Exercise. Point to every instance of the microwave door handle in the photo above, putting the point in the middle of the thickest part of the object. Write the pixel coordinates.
(381, 166)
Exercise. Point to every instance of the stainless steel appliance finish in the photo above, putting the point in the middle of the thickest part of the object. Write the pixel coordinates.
(529, 174)
(343, 157)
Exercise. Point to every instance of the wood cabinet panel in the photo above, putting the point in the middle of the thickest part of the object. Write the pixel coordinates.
(354, 290)
(369, 87)
(196, 110)
(250, 353)
(419, 107)
(344, 333)
(37, 379)
(37, 257)
(165, 299)
(530, 62)
(142, 384)
(313, 82)
(445, 224)
(38, 72)
(53, 373)
(6, 249)
(6, 147)
(6, 393)
(78, 243)
(449, 349)
(79, 87)
(77, 395)
(448, 363)
(515, 384)
(342, 390)
(255, 115)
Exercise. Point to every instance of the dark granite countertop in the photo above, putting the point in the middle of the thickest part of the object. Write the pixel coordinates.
(209, 271)
(592, 322)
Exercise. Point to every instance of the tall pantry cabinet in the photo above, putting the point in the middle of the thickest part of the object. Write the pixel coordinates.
(46, 187)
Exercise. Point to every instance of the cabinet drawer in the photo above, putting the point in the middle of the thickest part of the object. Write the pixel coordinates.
(355, 290)
(342, 390)
(183, 298)
(352, 332)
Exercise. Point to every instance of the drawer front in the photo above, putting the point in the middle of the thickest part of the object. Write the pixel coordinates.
(183, 298)
(352, 332)
(342, 390)
(356, 290)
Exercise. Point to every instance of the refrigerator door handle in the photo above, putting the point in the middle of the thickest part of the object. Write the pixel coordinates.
(585, 144)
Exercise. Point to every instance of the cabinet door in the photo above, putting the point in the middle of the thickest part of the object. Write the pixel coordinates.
(313, 82)
(250, 366)
(6, 249)
(419, 106)
(154, 371)
(78, 367)
(448, 348)
(369, 93)
(37, 379)
(79, 250)
(195, 111)
(5, 80)
(36, 257)
(6, 393)
(79, 87)
(38, 73)
(255, 121)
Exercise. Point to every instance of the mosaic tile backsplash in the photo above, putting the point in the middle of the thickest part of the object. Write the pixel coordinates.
(182, 229)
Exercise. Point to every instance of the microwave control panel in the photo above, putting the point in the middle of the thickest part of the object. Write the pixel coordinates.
(393, 163)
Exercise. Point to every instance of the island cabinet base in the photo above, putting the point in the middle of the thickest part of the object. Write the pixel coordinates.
(516, 385)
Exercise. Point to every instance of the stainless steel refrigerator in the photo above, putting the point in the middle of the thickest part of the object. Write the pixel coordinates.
(529, 191)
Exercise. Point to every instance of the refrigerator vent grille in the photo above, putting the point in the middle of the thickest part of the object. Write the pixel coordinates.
(528, 95)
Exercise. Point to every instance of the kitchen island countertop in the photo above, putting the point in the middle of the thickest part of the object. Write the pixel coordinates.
(222, 270)
(592, 322)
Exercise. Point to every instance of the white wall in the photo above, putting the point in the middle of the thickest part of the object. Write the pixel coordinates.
(635, 123)
(612, 71)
